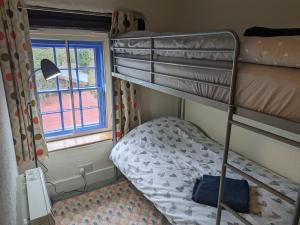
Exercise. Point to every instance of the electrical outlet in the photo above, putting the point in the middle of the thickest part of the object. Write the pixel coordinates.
(87, 167)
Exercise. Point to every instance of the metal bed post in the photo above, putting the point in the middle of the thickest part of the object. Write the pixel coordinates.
(182, 109)
(225, 158)
(231, 110)
(179, 107)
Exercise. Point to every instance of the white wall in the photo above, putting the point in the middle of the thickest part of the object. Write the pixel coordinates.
(155, 104)
(63, 165)
(68, 160)
(8, 165)
(201, 15)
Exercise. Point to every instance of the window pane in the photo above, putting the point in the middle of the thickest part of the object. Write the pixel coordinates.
(84, 81)
(66, 100)
(87, 77)
(62, 60)
(42, 53)
(68, 120)
(85, 57)
(74, 78)
(49, 102)
(89, 98)
(43, 84)
(51, 122)
(90, 116)
(78, 118)
(63, 80)
(76, 99)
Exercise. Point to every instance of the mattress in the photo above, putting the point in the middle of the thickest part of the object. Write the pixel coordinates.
(269, 89)
(165, 156)
(279, 86)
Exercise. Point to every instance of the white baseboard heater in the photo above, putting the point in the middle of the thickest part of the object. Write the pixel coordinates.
(33, 203)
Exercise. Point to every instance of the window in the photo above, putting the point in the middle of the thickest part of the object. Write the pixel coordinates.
(71, 104)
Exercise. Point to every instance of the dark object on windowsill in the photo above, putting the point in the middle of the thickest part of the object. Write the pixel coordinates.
(271, 32)
(236, 193)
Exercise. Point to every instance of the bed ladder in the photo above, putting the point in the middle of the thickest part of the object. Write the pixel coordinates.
(225, 165)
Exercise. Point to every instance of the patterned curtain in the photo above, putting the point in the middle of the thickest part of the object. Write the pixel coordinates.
(16, 67)
(127, 106)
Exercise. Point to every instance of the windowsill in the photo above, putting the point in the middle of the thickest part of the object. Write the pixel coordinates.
(78, 141)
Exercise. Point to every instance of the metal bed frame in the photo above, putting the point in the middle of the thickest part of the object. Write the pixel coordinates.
(233, 110)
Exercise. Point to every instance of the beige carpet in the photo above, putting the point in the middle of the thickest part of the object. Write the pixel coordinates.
(117, 204)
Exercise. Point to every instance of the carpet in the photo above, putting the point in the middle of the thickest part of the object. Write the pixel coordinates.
(117, 204)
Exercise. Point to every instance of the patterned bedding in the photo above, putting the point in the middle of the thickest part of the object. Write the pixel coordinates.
(163, 158)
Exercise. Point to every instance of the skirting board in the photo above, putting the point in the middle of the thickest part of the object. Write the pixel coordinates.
(77, 182)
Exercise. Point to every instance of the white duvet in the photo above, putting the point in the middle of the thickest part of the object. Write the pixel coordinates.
(163, 158)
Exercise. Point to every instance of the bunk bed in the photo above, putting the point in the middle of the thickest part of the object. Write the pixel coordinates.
(204, 67)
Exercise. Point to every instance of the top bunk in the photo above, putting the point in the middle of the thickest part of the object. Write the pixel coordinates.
(261, 81)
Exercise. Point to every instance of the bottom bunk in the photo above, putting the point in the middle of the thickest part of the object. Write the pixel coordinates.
(164, 157)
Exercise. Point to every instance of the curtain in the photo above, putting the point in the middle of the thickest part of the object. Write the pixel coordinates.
(126, 95)
(16, 67)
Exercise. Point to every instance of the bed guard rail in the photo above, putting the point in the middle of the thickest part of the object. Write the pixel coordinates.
(151, 60)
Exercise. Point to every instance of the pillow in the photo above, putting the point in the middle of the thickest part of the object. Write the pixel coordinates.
(271, 32)
(273, 51)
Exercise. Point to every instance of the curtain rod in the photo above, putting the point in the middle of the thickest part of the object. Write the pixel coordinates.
(50, 9)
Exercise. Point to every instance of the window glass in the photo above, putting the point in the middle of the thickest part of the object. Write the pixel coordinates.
(43, 84)
(49, 102)
(42, 53)
(68, 120)
(78, 115)
(76, 95)
(66, 100)
(55, 95)
(52, 122)
(90, 116)
(87, 77)
(89, 98)
(62, 59)
(85, 57)
(63, 80)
